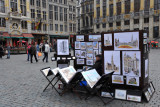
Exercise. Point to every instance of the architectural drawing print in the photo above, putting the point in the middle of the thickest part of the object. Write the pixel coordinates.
(107, 39)
(63, 47)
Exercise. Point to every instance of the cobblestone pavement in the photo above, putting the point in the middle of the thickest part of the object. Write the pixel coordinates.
(22, 84)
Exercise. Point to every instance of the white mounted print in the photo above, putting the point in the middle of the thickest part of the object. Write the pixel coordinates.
(80, 61)
(120, 94)
(77, 53)
(83, 54)
(95, 45)
(89, 62)
(117, 79)
(83, 45)
(77, 45)
(134, 81)
(80, 38)
(62, 47)
(107, 39)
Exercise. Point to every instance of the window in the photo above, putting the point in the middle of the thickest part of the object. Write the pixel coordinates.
(136, 21)
(65, 26)
(65, 14)
(38, 2)
(110, 24)
(44, 3)
(118, 23)
(44, 27)
(60, 1)
(56, 27)
(44, 15)
(97, 26)
(98, 1)
(104, 25)
(156, 4)
(24, 24)
(104, 8)
(50, 12)
(147, 5)
(65, 1)
(74, 9)
(119, 8)
(33, 26)
(127, 22)
(83, 22)
(70, 27)
(146, 28)
(2, 6)
(91, 7)
(87, 8)
(70, 16)
(55, 0)
(111, 10)
(127, 6)
(91, 20)
(51, 27)
(70, 8)
(156, 18)
(61, 13)
(23, 7)
(83, 9)
(32, 2)
(136, 5)
(146, 20)
(56, 12)
(2, 22)
(87, 23)
(39, 14)
(74, 17)
(32, 13)
(74, 27)
(61, 28)
(98, 12)
(14, 5)
(155, 31)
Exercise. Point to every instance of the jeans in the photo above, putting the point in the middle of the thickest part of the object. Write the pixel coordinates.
(28, 56)
(34, 57)
(8, 55)
(45, 56)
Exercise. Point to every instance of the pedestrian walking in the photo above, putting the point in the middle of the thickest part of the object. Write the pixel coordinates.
(33, 52)
(28, 51)
(1, 51)
(8, 49)
(46, 51)
(37, 48)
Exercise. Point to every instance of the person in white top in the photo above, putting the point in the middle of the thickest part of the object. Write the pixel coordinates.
(46, 51)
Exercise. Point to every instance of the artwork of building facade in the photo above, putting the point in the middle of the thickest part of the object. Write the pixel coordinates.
(111, 66)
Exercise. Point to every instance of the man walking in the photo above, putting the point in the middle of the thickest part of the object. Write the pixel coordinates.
(46, 50)
(8, 49)
(33, 52)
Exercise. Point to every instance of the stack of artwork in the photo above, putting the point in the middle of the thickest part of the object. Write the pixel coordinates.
(86, 51)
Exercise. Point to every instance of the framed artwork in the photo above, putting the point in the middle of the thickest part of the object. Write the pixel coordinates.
(149, 90)
(112, 62)
(89, 62)
(83, 45)
(89, 44)
(80, 61)
(77, 53)
(144, 35)
(55, 71)
(131, 63)
(126, 41)
(107, 39)
(61, 66)
(91, 76)
(90, 37)
(89, 50)
(146, 68)
(62, 47)
(134, 81)
(89, 56)
(144, 41)
(95, 45)
(83, 54)
(117, 79)
(147, 95)
(134, 98)
(80, 38)
(96, 37)
(120, 94)
(67, 73)
(152, 87)
(77, 45)
(95, 52)
(106, 94)
(100, 48)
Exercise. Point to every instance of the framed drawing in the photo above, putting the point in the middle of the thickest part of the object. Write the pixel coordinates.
(95, 52)
(146, 68)
(134, 98)
(80, 61)
(96, 37)
(77, 53)
(62, 47)
(55, 71)
(144, 41)
(120, 94)
(83, 54)
(90, 37)
(126, 41)
(112, 62)
(80, 38)
(90, 56)
(95, 45)
(107, 39)
(106, 94)
(91, 77)
(67, 73)
(117, 79)
(77, 45)
(89, 44)
(100, 48)
(89, 51)
(131, 63)
(134, 81)
(147, 95)
(83, 45)
(89, 62)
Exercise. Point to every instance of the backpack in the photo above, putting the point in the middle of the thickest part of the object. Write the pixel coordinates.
(43, 48)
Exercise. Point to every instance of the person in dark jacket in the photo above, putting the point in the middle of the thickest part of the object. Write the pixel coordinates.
(33, 52)
(1, 51)
(8, 49)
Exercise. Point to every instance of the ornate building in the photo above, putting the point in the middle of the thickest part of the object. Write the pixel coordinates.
(111, 66)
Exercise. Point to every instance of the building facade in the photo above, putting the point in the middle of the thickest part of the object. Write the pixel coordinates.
(124, 15)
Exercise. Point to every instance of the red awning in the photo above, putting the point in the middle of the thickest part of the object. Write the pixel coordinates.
(27, 35)
(6, 35)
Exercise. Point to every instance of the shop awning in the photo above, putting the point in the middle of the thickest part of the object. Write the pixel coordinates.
(27, 35)
(16, 36)
(6, 35)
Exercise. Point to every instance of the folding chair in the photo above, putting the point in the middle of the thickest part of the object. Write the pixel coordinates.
(103, 83)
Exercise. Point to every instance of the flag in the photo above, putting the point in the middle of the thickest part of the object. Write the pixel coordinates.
(38, 25)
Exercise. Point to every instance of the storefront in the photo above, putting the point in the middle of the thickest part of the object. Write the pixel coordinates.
(40, 38)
